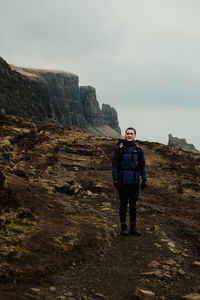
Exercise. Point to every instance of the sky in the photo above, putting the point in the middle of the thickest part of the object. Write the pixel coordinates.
(142, 56)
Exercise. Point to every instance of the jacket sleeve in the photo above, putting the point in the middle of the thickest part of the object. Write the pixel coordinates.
(142, 165)
(115, 163)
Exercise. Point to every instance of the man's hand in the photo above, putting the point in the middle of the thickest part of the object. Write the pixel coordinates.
(116, 183)
(143, 185)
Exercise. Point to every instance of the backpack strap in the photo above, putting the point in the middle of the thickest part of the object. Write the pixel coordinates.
(121, 146)
(140, 160)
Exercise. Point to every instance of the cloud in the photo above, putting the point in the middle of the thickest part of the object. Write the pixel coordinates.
(135, 53)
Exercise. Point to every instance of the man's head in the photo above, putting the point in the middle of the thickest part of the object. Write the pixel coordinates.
(130, 134)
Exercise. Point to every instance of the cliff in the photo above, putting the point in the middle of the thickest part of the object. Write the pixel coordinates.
(23, 95)
(181, 143)
(51, 95)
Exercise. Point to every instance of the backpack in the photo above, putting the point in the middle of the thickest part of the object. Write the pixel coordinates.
(138, 149)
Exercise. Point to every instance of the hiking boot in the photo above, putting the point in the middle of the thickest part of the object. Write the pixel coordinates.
(133, 230)
(124, 229)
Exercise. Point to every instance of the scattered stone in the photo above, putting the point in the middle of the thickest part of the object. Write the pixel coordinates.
(144, 295)
(89, 193)
(107, 204)
(103, 195)
(157, 273)
(115, 226)
(61, 297)
(52, 289)
(142, 209)
(167, 277)
(181, 272)
(35, 290)
(171, 244)
(185, 254)
(153, 264)
(196, 263)
(164, 240)
(68, 294)
(156, 228)
(166, 267)
(192, 296)
(170, 262)
(105, 208)
(100, 295)
(157, 245)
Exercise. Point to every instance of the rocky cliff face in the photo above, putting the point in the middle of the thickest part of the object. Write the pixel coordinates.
(181, 143)
(24, 96)
(110, 117)
(91, 109)
(53, 95)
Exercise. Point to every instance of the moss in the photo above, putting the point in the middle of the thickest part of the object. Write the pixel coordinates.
(67, 240)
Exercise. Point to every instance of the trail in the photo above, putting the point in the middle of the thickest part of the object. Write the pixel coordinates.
(116, 275)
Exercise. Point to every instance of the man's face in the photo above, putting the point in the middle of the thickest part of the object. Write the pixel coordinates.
(129, 135)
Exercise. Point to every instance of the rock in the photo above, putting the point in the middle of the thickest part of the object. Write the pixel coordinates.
(181, 143)
(144, 295)
(196, 264)
(35, 290)
(61, 297)
(68, 294)
(185, 254)
(52, 289)
(157, 273)
(166, 277)
(171, 244)
(166, 267)
(157, 245)
(105, 208)
(110, 117)
(170, 262)
(89, 193)
(153, 264)
(115, 226)
(181, 272)
(156, 228)
(192, 296)
(45, 95)
(100, 295)
(107, 204)
(103, 195)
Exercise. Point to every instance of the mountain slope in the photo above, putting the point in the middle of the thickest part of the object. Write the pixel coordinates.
(59, 215)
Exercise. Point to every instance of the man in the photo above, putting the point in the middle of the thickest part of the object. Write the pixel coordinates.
(128, 164)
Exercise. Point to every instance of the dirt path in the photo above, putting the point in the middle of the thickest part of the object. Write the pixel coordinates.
(115, 276)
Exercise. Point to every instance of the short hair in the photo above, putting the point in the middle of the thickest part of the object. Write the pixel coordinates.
(130, 128)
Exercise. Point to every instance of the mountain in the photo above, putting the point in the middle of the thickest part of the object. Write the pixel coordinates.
(59, 222)
(181, 143)
(51, 95)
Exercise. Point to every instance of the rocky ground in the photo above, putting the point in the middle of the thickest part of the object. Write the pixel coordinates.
(59, 226)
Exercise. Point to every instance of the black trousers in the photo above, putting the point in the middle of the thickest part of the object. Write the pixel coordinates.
(128, 193)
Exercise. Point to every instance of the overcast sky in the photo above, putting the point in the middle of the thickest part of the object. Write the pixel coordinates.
(142, 56)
